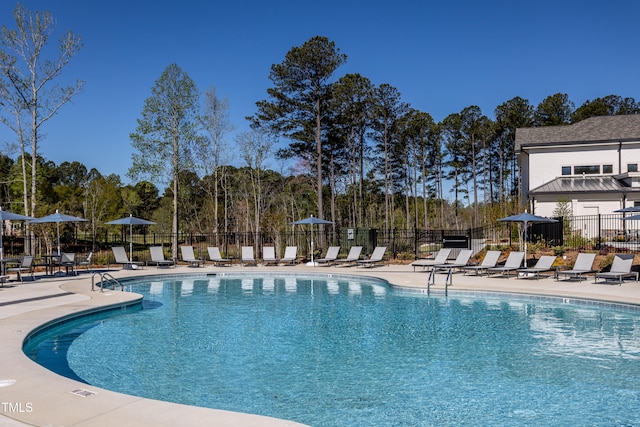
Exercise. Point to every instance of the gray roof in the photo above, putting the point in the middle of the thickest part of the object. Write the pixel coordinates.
(588, 184)
(593, 129)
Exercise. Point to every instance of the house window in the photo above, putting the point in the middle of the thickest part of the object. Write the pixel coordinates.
(632, 167)
(607, 168)
(566, 170)
(587, 170)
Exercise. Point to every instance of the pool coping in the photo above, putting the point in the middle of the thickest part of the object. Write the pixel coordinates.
(41, 397)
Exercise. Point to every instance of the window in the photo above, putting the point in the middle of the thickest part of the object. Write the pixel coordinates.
(632, 167)
(566, 170)
(587, 170)
(607, 168)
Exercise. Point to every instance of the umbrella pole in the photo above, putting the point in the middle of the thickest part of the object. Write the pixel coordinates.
(131, 243)
(58, 232)
(525, 244)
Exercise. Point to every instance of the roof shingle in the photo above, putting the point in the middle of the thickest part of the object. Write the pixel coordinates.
(593, 129)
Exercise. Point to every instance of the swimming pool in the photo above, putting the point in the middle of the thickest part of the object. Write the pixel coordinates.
(347, 351)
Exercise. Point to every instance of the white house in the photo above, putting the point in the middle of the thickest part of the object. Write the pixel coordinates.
(593, 164)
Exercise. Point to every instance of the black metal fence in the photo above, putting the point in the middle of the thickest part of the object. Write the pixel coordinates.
(595, 232)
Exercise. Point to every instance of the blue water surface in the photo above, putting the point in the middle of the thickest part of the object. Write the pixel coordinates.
(344, 352)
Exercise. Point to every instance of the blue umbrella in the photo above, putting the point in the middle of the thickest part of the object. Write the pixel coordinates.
(57, 218)
(9, 216)
(130, 221)
(629, 209)
(312, 220)
(526, 218)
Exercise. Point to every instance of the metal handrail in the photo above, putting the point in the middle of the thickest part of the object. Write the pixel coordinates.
(111, 280)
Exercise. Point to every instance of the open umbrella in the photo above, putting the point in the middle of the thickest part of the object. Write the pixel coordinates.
(131, 221)
(629, 209)
(312, 220)
(9, 216)
(57, 218)
(526, 218)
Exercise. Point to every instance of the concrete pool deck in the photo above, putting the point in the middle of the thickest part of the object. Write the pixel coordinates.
(33, 395)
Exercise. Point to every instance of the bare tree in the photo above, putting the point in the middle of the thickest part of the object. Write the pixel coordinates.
(215, 120)
(28, 93)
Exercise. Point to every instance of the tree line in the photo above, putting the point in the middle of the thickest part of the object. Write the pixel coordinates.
(363, 157)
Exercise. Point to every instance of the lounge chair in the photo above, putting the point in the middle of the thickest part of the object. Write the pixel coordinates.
(440, 258)
(352, 256)
(68, 261)
(620, 269)
(330, 256)
(290, 255)
(269, 255)
(513, 263)
(582, 266)
(377, 257)
(121, 258)
(189, 257)
(460, 262)
(247, 256)
(157, 257)
(26, 266)
(216, 258)
(543, 265)
(490, 260)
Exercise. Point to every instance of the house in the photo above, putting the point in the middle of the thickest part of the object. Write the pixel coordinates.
(593, 164)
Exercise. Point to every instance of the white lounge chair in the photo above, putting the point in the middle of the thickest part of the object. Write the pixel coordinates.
(513, 263)
(460, 262)
(157, 257)
(121, 258)
(26, 266)
(352, 256)
(330, 256)
(440, 258)
(247, 256)
(582, 266)
(189, 257)
(216, 258)
(376, 257)
(290, 255)
(269, 255)
(490, 260)
(620, 269)
(543, 265)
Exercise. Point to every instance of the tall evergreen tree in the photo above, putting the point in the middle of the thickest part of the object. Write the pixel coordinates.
(297, 108)
(554, 110)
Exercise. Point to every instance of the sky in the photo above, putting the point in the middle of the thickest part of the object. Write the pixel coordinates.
(441, 56)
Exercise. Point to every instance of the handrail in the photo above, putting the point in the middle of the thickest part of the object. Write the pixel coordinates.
(111, 280)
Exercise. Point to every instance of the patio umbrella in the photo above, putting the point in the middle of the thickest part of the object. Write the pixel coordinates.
(131, 221)
(312, 220)
(629, 209)
(526, 218)
(57, 218)
(9, 216)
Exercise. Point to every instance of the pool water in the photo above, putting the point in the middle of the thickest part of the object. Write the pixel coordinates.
(353, 352)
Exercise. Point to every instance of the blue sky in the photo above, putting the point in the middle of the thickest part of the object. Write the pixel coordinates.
(442, 57)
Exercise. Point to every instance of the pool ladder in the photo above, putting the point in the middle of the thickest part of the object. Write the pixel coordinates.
(109, 280)
(432, 279)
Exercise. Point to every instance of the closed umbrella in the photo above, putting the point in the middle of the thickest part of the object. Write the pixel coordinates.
(131, 221)
(312, 220)
(9, 216)
(57, 218)
(526, 218)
